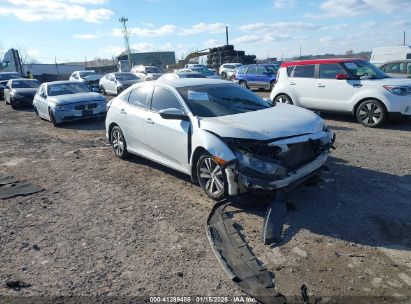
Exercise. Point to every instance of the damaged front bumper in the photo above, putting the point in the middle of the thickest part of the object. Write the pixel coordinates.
(240, 179)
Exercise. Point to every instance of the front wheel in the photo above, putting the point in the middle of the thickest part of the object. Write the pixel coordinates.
(371, 113)
(53, 119)
(118, 142)
(283, 99)
(211, 177)
(12, 104)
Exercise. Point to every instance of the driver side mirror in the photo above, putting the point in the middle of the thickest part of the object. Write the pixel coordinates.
(43, 95)
(341, 76)
(173, 113)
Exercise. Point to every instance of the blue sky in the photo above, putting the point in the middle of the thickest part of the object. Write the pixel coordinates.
(71, 30)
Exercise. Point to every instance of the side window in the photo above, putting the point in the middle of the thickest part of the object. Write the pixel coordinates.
(409, 68)
(304, 71)
(138, 96)
(290, 70)
(164, 99)
(241, 70)
(330, 71)
(395, 67)
(252, 70)
(40, 90)
(261, 70)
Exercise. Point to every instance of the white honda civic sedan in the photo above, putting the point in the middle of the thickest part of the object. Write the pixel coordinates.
(225, 137)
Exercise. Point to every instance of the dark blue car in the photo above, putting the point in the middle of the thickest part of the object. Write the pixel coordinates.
(257, 76)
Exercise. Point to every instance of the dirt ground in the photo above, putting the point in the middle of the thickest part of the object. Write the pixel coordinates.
(109, 227)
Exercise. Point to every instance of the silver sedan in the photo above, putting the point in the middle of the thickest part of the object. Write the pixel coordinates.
(225, 137)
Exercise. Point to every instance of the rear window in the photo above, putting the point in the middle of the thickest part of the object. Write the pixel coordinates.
(25, 84)
(241, 70)
(153, 70)
(304, 71)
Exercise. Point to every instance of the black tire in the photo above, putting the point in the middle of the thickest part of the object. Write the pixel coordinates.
(282, 98)
(53, 119)
(102, 90)
(13, 105)
(272, 84)
(5, 101)
(223, 75)
(118, 142)
(371, 113)
(216, 181)
(243, 83)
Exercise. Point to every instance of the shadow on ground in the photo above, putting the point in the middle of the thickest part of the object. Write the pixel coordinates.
(91, 124)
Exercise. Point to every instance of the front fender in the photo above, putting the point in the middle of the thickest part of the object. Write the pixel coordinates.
(212, 143)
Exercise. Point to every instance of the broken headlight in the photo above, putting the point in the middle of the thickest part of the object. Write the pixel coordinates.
(259, 165)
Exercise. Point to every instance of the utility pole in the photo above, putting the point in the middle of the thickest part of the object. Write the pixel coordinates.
(226, 34)
(404, 37)
(300, 51)
(126, 40)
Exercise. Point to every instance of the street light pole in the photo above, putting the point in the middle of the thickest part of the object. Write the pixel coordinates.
(126, 41)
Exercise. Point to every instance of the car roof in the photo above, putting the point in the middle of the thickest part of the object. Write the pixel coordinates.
(25, 79)
(186, 82)
(399, 60)
(5, 73)
(319, 61)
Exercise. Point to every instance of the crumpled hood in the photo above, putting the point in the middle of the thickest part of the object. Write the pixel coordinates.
(75, 98)
(25, 91)
(280, 121)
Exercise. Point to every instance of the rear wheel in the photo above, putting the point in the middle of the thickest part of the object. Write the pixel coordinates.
(118, 142)
(211, 177)
(243, 84)
(371, 113)
(283, 99)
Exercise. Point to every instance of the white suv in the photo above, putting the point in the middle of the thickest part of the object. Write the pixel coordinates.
(343, 85)
(228, 68)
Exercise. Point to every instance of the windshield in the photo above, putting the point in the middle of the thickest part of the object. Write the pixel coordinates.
(67, 88)
(192, 75)
(153, 70)
(364, 70)
(220, 100)
(9, 76)
(88, 73)
(126, 76)
(24, 84)
(204, 71)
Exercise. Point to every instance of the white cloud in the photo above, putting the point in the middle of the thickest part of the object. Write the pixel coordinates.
(335, 27)
(350, 8)
(284, 3)
(369, 24)
(251, 39)
(212, 43)
(53, 10)
(88, 36)
(115, 50)
(169, 29)
(401, 23)
(278, 26)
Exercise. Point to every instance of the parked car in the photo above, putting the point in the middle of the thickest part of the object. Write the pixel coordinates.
(89, 77)
(20, 92)
(114, 83)
(381, 55)
(228, 68)
(225, 137)
(62, 101)
(173, 76)
(206, 72)
(256, 76)
(147, 72)
(195, 65)
(346, 85)
(4, 77)
(398, 69)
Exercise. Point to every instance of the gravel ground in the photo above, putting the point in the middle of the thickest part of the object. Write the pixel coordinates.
(109, 227)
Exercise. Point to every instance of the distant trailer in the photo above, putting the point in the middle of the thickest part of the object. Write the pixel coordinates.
(381, 55)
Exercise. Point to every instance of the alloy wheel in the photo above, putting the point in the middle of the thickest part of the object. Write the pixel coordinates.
(118, 142)
(370, 114)
(211, 177)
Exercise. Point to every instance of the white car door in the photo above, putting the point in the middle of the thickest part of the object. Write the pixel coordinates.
(133, 111)
(40, 102)
(302, 83)
(167, 139)
(331, 93)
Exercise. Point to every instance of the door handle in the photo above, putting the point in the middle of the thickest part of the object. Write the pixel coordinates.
(320, 85)
(149, 121)
(292, 83)
(122, 111)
